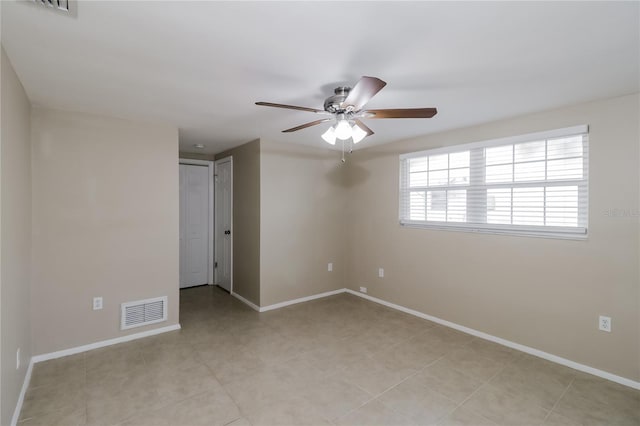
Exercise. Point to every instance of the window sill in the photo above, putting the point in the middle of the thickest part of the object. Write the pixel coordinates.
(579, 234)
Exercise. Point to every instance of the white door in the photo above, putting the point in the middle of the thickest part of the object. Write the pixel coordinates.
(223, 190)
(194, 225)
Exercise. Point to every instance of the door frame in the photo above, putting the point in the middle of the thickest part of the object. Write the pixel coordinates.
(210, 245)
(228, 159)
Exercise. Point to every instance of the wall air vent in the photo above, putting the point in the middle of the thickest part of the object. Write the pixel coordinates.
(143, 312)
(62, 5)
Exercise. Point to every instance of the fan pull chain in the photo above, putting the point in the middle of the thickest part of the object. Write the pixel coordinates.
(343, 160)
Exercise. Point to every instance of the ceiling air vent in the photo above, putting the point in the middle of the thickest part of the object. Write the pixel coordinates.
(56, 4)
(143, 312)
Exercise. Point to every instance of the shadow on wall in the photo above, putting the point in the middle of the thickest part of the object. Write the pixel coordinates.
(357, 175)
(336, 176)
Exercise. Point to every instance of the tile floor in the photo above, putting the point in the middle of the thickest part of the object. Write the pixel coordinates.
(340, 360)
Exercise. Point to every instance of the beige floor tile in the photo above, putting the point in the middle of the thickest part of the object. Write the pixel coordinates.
(539, 387)
(232, 366)
(600, 390)
(112, 361)
(174, 356)
(240, 422)
(62, 417)
(275, 348)
(174, 385)
(67, 370)
(270, 387)
(375, 376)
(465, 417)
(563, 374)
(336, 356)
(435, 344)
(374, 341)
(555, 419)
(116, 398)
(217, 346)
(466, 361)
(589, 412)
(295, 411)
(309, 367)
(443, 378)
(418, 402)
(333, 397)
(448, 335)
(504, 408)
(409, 354)
(63, 400)
(213, 408)
(172, 338)
(374, 413)
(492, 350)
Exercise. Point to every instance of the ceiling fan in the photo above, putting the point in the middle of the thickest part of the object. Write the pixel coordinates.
(346, 109)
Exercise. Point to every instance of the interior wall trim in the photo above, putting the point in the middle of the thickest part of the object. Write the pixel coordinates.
(301, 300)
(103, 343)
(246, 302)
(504, 342)
(517, 346)
(23, 391)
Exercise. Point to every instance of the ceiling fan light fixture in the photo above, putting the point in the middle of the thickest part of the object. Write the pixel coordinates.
(330, 136)
(357, 134)
(343, 130)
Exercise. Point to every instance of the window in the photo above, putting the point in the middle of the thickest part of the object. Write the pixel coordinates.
(534, 184)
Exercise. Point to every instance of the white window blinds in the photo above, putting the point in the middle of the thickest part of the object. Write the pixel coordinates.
(534, 184)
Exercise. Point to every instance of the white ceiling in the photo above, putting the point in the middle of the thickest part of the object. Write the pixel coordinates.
(202, 65)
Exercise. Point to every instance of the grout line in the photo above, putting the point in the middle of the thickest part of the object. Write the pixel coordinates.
(374, 397)
(486, 382)
(559, 399)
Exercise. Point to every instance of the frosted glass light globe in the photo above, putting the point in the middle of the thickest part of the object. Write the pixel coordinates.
(343, 130)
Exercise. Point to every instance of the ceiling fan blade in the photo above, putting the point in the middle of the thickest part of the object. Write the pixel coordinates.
(299, 108)
(402, 113)
(362, 92)
(304, 126)
(364, 127)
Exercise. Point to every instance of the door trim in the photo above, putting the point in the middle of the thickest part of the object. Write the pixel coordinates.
(228, 159)
(211, 246)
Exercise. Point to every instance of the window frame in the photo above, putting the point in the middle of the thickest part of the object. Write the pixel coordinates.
(477, 184)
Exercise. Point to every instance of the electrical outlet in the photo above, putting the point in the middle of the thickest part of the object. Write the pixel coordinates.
(380, 273)
(18, 359)
(363, 290)
(97, 303)
(330, 267)
(604, 324)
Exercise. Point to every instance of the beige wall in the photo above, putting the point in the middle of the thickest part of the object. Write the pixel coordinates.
(302, 221)
(246, 219)
(105, 223)
(15, 260)
(196, 156)
(543, 293)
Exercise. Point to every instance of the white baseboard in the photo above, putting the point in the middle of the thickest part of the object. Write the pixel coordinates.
(23, 391)
(103, 343)
(517, 346)
(76, 350)
(246, 302)
(287, 302)
(300, 300)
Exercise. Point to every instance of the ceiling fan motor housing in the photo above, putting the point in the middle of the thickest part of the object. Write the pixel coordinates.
(333, 103)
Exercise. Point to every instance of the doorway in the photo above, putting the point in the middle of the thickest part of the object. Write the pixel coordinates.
(224, 223)
(196, 222)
